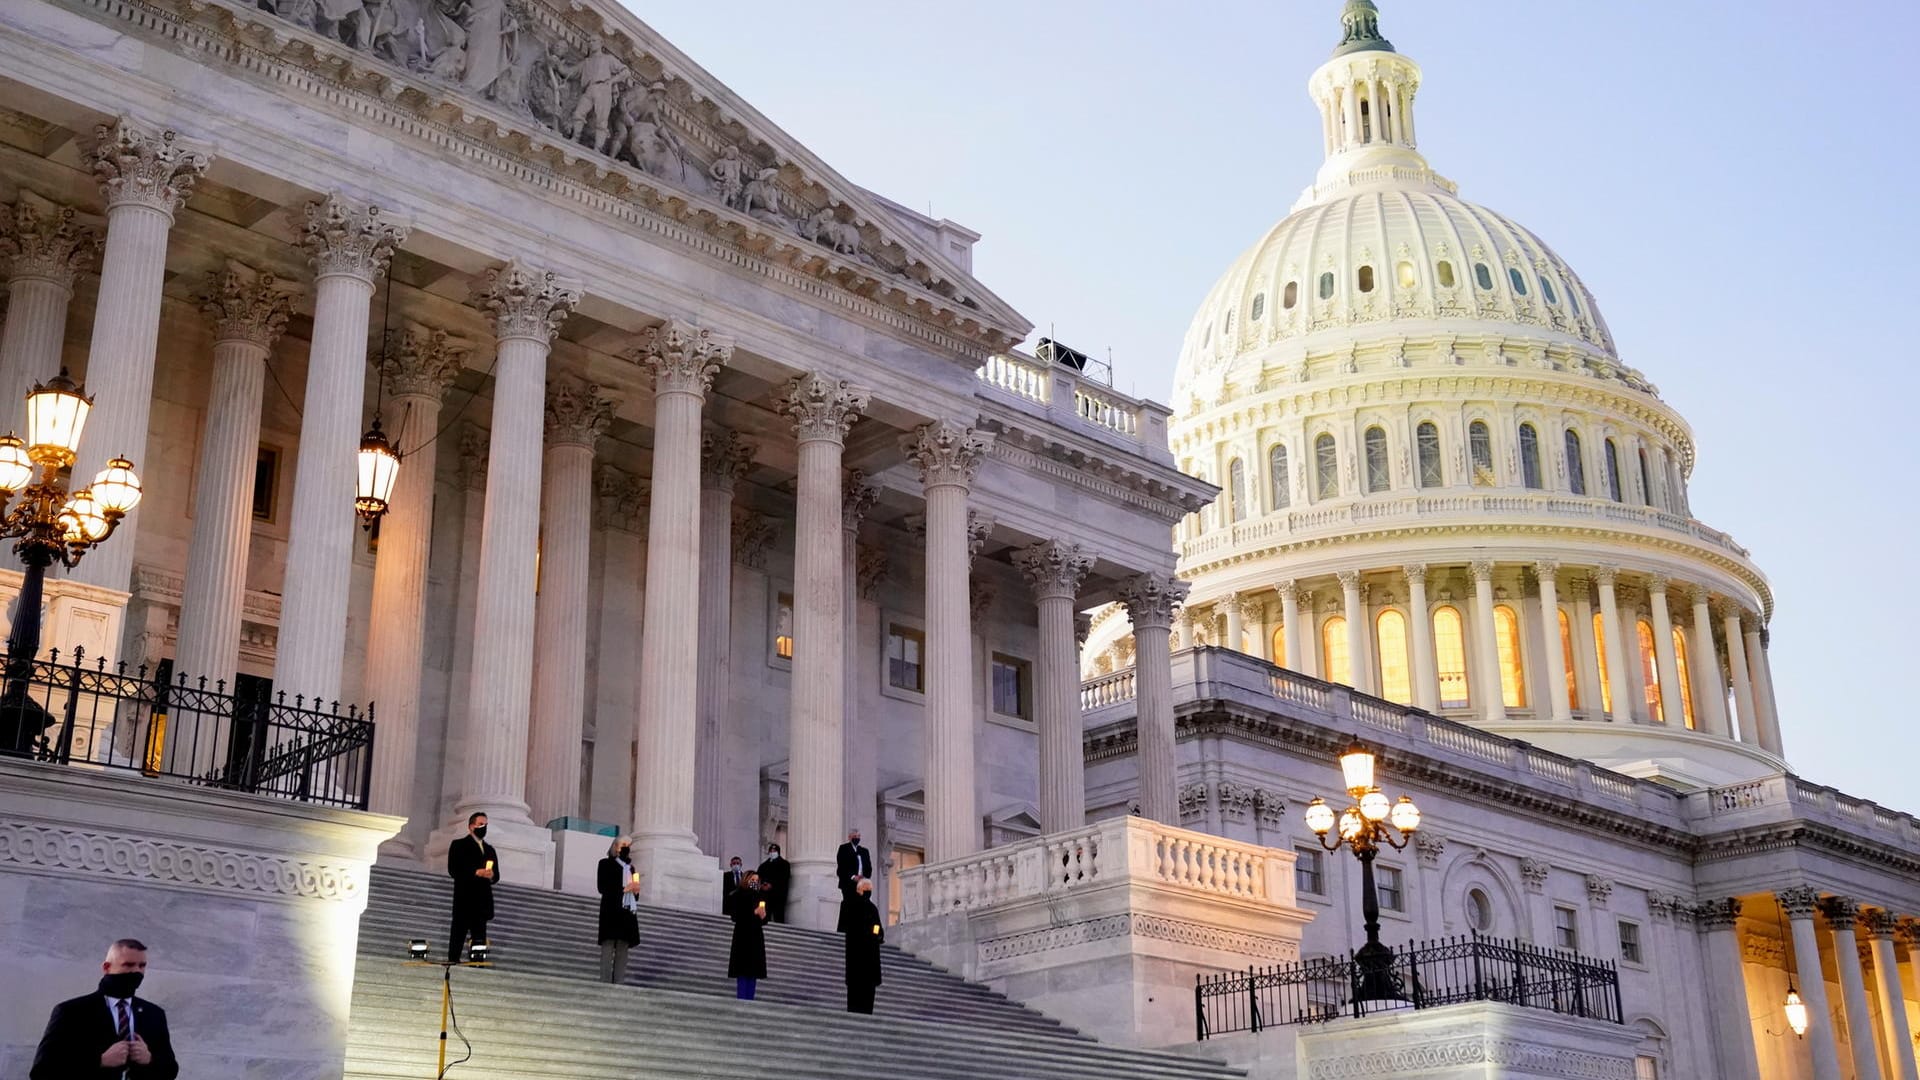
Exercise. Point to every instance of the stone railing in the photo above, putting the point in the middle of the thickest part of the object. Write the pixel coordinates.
(1790, 796)
(1117, 851)
(1074, 399)
(1019, 376)
(1104, 690)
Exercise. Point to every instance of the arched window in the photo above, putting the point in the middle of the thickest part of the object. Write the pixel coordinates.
(1379, 474)
(1546, 290)
(1280, 645)
(1519, 283)
(1613, 472)
(1228, 329)
(1277, 476)
(1443, 273)
(1326, 467)
(1237, 489)
(1366, 279)
(1600, 656)
(1483, 276)
(1685, 676)
(1513, 678)
(1259, 307)
(1450, 657)
(1529, 456)
(1432, 472)
(1326, 285)
(1676, 495)
(1566, 654)
(1290, 295)
(1390, 637)
(1404, 271)
(1334, 665)
(1646, 479)
(1366, 121)
(1649, 669)
(1576, 464)
(1480, 451)
(1573, 298)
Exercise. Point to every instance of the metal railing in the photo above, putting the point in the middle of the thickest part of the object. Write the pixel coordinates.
(141, 720)
(1425, 974)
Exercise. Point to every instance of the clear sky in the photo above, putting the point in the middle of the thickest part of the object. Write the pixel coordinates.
(1734, 181)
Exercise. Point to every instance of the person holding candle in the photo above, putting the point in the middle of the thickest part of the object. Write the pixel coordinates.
(474, 867)
(747, 959)
(619, 885)
(860, 922)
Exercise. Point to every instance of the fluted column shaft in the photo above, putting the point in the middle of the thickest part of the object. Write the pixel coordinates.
(1359, 672)
(1426, 668)
(1709, 690)
(1236, 624)
(1895, 1033)
(724, 460)
(1559, 697)
(1727, 987)
(1765, 705)
(1743, 706)
(1614, 646)
(1672, 705)
(1055, 569)
(1290, 626)
(1493, 703)
(1811, 981)
(1151, 600)
(1841, 915)
(44, 248)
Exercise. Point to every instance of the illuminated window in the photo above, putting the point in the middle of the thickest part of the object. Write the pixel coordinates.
(1277, 474)
(1390, 635)
(1685, 677)
(783, 626)
(1483, 276)
(1404, 272)
(1649, 669)
(1432, 472)
(1379, 473)
(1566, 654)
(1600, 655)
(1280, 645)
(905, 649)
(1513, 680)
(1326, 467)
(1290, 295)
(1450, 657)
(1335, 664)
(1613, 472)
(1259, 307)
(1237, 489)
(1480, 450)
(1443, 273)
(1529, 456)
(1519, 283)
(1576, 464)
(1366, 279)
(1326, 285)
(1646, 479)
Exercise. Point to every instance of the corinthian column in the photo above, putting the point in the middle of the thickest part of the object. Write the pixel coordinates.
(1151, 600)
(145, 177)
(673, 872)
(1766, 706)
(1054, 569)
(1800, 904)
(1841, 913)
(725, 459)
(1559, 696)
(44, 247)
(1672, 697)
(1359, 671)
(576, 418)
(1493, 702)
(947, 455)
(823, 409)
(1742, 684)
(1894, 1031)
(526, 307)
(349, 246)
(418, 365)
(1290, 632)
(1709, 691)
(1426, 669)
(1613, 647)
(1236, 625)
(860, 577)
(1726, 986)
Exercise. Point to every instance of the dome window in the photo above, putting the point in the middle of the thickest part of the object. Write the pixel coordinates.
(1530, 457)
(1405, 274)
(1290, 295)
(1573, 299)
(1427, 437)
(1379, 474)
(1206, 339)
(1480, 450)
(1259, 308)
(1326, 467)
(1482, 275)
(1443, 273)
(1576, 464)
(1546, 290)
(1228, 329)
(1366, 279)
(1237, 489)
(1613, 471)
(1519, 283)
(1326, 285)
(1277, 472)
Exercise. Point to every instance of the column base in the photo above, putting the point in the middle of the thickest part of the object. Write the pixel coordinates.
(675, 873)
(402, 850)
(526, 849)
(813, 895)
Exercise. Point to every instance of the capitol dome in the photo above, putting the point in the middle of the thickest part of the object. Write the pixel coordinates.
(1440, 483)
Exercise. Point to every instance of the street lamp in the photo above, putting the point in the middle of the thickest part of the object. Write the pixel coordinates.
(1369, 821)
(378, 465)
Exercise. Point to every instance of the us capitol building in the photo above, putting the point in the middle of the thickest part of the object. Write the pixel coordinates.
(728, 511)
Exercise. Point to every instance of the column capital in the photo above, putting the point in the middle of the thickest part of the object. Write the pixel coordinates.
(622, 499)
(1879, 923)
(1415, 573)
(1605, 576)
(1151, 599)
(1482, 570)
(524, 302)
(1547, 568)
(821, 406)
(1841, 911)
(1799, 901)
(422, 361)
(576, 413)
(856, 498)
(43, 239)
(1054, 568)
(725, 459)
(1349, 579)
(946, 453)
(137, 166)
(683, 357)
(1250, 608)
(979, 527)
(1657, 583)
(349, 239)
(1289, 590)
(1909, 932)
(1082, 628)
(245, 305)
(1718, 914)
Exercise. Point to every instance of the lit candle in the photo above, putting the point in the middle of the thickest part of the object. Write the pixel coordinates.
(489, 866)
(876, 928)
(636, 877)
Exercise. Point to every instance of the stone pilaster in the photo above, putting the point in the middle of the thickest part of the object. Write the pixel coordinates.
(1672, 696)
(1800, 904)
(1613, 645)
(1151, 600)
(44, 246)
(1493, 704)
(947, 454)
(725, 459)
(1842, 913)
(1727, 985)
(349, 246)
(1055, 569)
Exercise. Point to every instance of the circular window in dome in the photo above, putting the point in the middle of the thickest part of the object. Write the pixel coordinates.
(1326, 285)
(1259, 307)
(1443, 273)
(1479, 911)
(1404, 272)
(1290, 295)
(1519, 282)
(1482, 276)
(1366, 279)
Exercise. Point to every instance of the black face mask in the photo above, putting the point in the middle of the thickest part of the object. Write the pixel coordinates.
(480, 831)
(121, 984)
(625, 851)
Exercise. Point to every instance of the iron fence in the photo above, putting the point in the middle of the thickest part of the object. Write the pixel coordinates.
(165, 725)
(1423, 975)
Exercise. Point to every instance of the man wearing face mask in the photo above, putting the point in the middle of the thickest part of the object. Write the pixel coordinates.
(732, 878)
(774, 875)
(474, 867)
(619, 909)
(110, 1032)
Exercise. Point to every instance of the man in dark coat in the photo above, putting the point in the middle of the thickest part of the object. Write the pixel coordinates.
(747, 958)
(475, 868)
(109, 1034)
(851, 863)
(860, 922)
(730, 879)
(619, 886)
(776, 873)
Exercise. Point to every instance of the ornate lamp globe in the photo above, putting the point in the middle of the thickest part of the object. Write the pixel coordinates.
(1319, 817)
(16, 468)
(84, 521)
(379, 466)
(1356, 766)
(117, 488)
(56, 415)
(1374, 805)
(1351, 824)
(1406, 816)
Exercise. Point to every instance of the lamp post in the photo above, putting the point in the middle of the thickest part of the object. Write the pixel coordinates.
(1370, 821)
(50, 524)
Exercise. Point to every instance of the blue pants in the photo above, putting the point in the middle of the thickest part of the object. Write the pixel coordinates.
(743, 989)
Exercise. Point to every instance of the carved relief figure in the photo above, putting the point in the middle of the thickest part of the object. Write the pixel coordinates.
(344, 19)
(641, 134)
(491, 31)
(761, 192)
(726, 172)
(599, 73)
(824, 228)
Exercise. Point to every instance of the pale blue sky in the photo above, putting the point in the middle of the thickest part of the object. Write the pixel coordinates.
(1733, 181)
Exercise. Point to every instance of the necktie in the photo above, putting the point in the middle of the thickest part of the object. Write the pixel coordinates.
(123, 1025)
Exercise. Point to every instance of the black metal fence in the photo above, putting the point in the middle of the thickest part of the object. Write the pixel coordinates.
(1424, 975)
(159, 724)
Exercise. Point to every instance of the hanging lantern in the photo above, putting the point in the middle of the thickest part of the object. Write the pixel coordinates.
(1796, 1011)
(379, 467)
(56, 414)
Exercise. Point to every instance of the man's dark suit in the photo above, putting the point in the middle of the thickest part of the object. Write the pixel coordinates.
(730, 880)
(849, 861)
(776, 874)
(472, 896)
(82, 1029)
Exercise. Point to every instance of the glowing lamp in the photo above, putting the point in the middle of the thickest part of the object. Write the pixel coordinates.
(1796, 1012)
(117, 488)
(56, 414)
(1374, 805)
(417, 949)
(82, 520)
(1356, 765)
(16, 467)
(1406, 816)
(1320, 817)
(477, 953)
(373, 483)
(1350, 824)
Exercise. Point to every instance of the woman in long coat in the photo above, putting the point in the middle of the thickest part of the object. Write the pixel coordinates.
(861, 923)
(619, 889)
(747, 959)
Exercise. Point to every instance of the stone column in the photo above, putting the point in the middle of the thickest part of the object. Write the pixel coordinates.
(349, 246)
(1559, 699)
(1426, 668)
(1727, 988)
(145, 176)
(823, 409)
(1359, 671)
(1055, 569)
(861, 572)
(947, 455)
(1841, 913)
(44, 247)
(673, 871)
(1151, 600)
(1493, 703)
(1236, 624)
(418, 365)
(526, 306)
(1709, 691)
(1614, 646)
(1800, 904)
(1290, 625)
(1743, 706)
(1895, 1034)
(1672, 699)
(622, 498)
(725, 459)
(1765, 706)
(577, 415)
(1586, 666)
